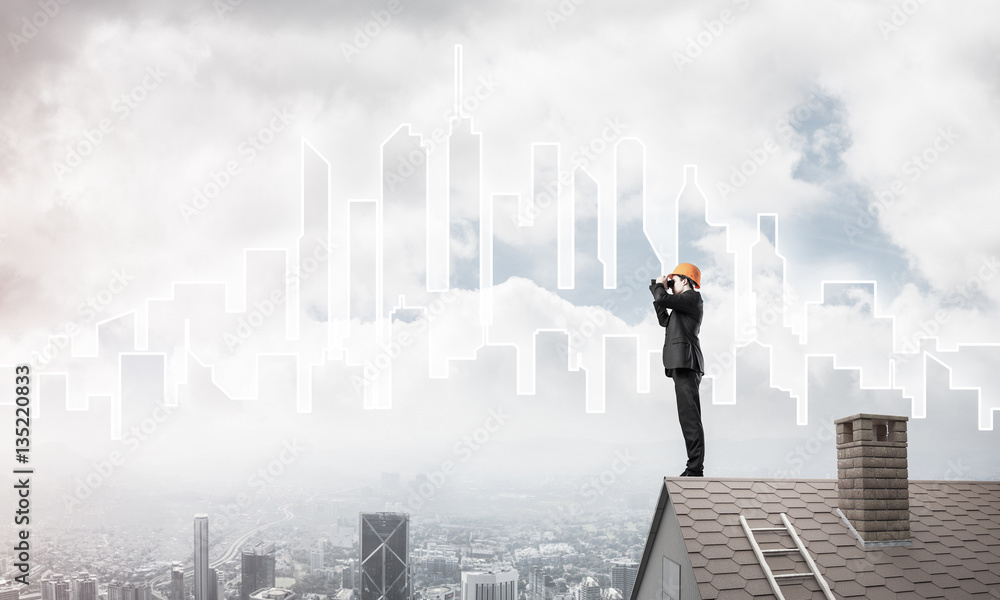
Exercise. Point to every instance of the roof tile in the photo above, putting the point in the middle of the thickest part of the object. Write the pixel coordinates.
(870, 579)
(960, 573)
(850, 589)
(826, 561)
(917, 575)
(724, 565)
(758, 587)
(728, 581)
(971, 586)
(716, 487)
(928, 590)
(745, 558)
(718, 551)
(898, 584)
(704, 526)
(839, 574)
(945, 581)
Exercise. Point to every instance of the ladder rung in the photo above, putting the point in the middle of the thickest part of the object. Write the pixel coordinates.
(792, 575)
(780, 550)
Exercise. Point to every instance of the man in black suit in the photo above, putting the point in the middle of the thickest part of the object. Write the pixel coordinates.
(680, 311)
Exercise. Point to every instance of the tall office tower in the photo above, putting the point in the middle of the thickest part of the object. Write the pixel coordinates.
(200, 557)
(536, 583)
(543, 587)
(142, 591)
(589, 589)
(385, 551)
(9, 592)
(115, 590)
(256, 568)
(347, 578)
(490, 585)
(315, 559)
(213, 584)
(623, 574)
(55, 588)
(85, 587)
(177, 582)
(127, 591)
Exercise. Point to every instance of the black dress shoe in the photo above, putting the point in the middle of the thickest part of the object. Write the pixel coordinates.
(688, 473)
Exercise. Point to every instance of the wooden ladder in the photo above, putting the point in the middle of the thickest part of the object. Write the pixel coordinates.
(799, 547)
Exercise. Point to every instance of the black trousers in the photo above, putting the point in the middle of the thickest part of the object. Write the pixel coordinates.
(686, 382)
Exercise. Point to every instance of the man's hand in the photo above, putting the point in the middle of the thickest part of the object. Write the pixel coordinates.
(662, 279)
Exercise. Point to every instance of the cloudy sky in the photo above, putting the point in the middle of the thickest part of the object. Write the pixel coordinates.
(143, 146)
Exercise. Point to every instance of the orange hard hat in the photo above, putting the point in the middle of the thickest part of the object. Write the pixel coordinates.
(690, 271)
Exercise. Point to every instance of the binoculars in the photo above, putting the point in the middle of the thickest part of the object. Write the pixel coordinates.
(670, 283)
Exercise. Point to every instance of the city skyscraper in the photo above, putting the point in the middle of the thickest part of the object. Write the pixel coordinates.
(9, 592)
(214, 585)
(115, 591)
(129, 591)
(623, 574)
(315, 559)
(85, 587)
(256, 568)
(589, 589)
(56, 587)
(177, 582)
(385, 551)
(348, 575)
(201, 583)
(541, 584)
(490, 585)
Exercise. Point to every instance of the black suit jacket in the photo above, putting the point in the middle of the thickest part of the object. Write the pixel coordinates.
(681, 348)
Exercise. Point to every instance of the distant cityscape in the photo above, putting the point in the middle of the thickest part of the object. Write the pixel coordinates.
(322, 547)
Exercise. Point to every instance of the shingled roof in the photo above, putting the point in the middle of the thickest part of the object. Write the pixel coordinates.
(954, 550)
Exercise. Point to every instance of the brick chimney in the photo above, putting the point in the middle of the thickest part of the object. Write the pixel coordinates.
(872, 480)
